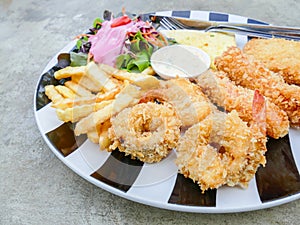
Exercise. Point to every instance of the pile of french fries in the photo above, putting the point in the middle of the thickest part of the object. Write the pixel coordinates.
(93, 94)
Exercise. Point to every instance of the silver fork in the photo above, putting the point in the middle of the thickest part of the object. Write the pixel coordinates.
(170, 23)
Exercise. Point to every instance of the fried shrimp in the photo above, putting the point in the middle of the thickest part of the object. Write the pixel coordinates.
(247, 72)
(189, 101)
(199, 160)
(278, 55)
(147, 131)
(223, 92)
(222, 149)
(256, 155)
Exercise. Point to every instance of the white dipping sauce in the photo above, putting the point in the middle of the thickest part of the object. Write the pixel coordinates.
(179, 61)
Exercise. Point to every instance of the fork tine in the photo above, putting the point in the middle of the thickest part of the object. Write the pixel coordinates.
(167, 24)
(177, 23)
(170, 23)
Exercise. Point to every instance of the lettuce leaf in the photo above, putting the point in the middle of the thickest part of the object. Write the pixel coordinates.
(141, 62)
(78, 59)
(138, 57)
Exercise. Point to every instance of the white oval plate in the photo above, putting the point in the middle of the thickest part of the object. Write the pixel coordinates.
(158, 184)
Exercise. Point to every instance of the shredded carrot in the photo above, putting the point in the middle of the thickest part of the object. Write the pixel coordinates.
(89, 57)
(148, 33)
(155, 42)
(164, 39)
(82, 35)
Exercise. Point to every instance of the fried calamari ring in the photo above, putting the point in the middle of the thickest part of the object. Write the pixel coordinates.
(147, 131)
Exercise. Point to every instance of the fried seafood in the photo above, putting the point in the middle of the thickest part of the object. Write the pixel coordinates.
(147, 131)
(187, 98)
(256, 156)
(198, 160)
(222, 149)
(127, 97)
(247, 72)
(223, 92)
(278, 55)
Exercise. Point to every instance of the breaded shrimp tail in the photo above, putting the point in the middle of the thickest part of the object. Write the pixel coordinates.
(222, 150)
(249, 73)
(223, 92)
(256, 154)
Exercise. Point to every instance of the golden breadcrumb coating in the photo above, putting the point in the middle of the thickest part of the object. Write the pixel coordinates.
(187, 98)
(147, 131)
(250, 73)
(278, 55)
(221, 150)
(198, 160)
(223, 92)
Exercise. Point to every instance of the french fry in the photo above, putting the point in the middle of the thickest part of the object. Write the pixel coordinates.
(103, 140)
(149, 71)
(91, 121)
(147, 82)
(142, 80)
(103, 127)
(108, 95)
(53, 94)
(121, 74)
(87, 83)
(128, 96)
(100, 133)
(76, 113)
(69, 71)
(94, 94)
(64, 91)
(93, 136)
(78, 89)
(98, 76)
(68, 103)
(102, 104)
(108, 69)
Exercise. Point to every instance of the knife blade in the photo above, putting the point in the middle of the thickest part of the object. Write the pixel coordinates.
(204, 25)
(199, 24)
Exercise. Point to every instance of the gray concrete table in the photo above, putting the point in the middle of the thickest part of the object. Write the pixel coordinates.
(35, 186)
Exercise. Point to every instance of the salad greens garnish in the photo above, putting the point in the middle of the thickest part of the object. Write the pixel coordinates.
(97, 24)
(83, 44)
(129, 42)
(78, 59)
(138, 56)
